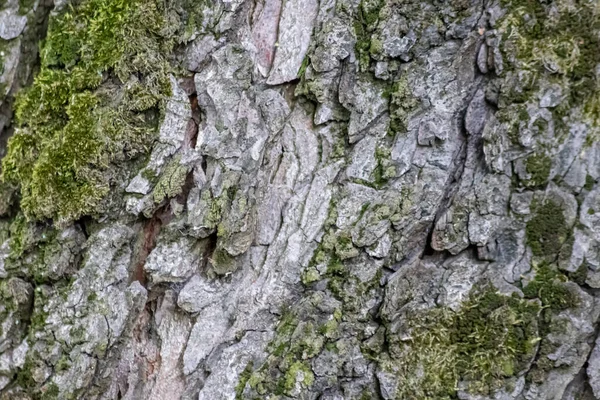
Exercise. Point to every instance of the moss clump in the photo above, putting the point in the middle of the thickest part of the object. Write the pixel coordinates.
(72, 123)
(589, 182)
(547, 230)
(538, 167)
(557, 39)
(50, 392)
(244, 378)
(24, 376)
(579, 276)
(548, 286)
(490, 338)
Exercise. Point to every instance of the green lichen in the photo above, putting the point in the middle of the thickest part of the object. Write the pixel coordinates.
(344, 248)
(365, 24)
(171, 181)
(384, 170)
(402, 103)
(547, 231)
(299, 373)
(490, 338)
(296, 342)
(63, 364)
(72, 123)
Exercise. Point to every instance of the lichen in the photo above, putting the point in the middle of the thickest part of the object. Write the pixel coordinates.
(365, 23)
(295, 343)
(402, 103)
(243, 380)
(171, 181)
(384, 170)
(298, 373)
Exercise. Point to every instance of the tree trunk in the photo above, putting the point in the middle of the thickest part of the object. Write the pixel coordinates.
(300, 199)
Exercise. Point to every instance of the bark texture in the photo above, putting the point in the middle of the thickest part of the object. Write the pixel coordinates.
(300, 199)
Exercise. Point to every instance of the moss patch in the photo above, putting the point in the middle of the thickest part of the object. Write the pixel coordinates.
(538, 166)
(244, 377)
(547, 230)
(558, 39)
(73, 123)
(490, 338)
(548, 286)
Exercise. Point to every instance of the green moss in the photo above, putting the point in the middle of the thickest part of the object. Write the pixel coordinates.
(24, 376)
(344, 248)
(21, 236)
(546, 38)
(25, 6)
(579, 276)
(62, 364)
(222, 262)
(376, 46)
(548, 286)
(547, 230)
(304, 66)
(538, 166)
(490, 338)
(243, 380)
(72, 124)
(295, 343)
(50, 392)
(589, 182)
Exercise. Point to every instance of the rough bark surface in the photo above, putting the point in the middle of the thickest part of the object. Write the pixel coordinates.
(300, 199)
